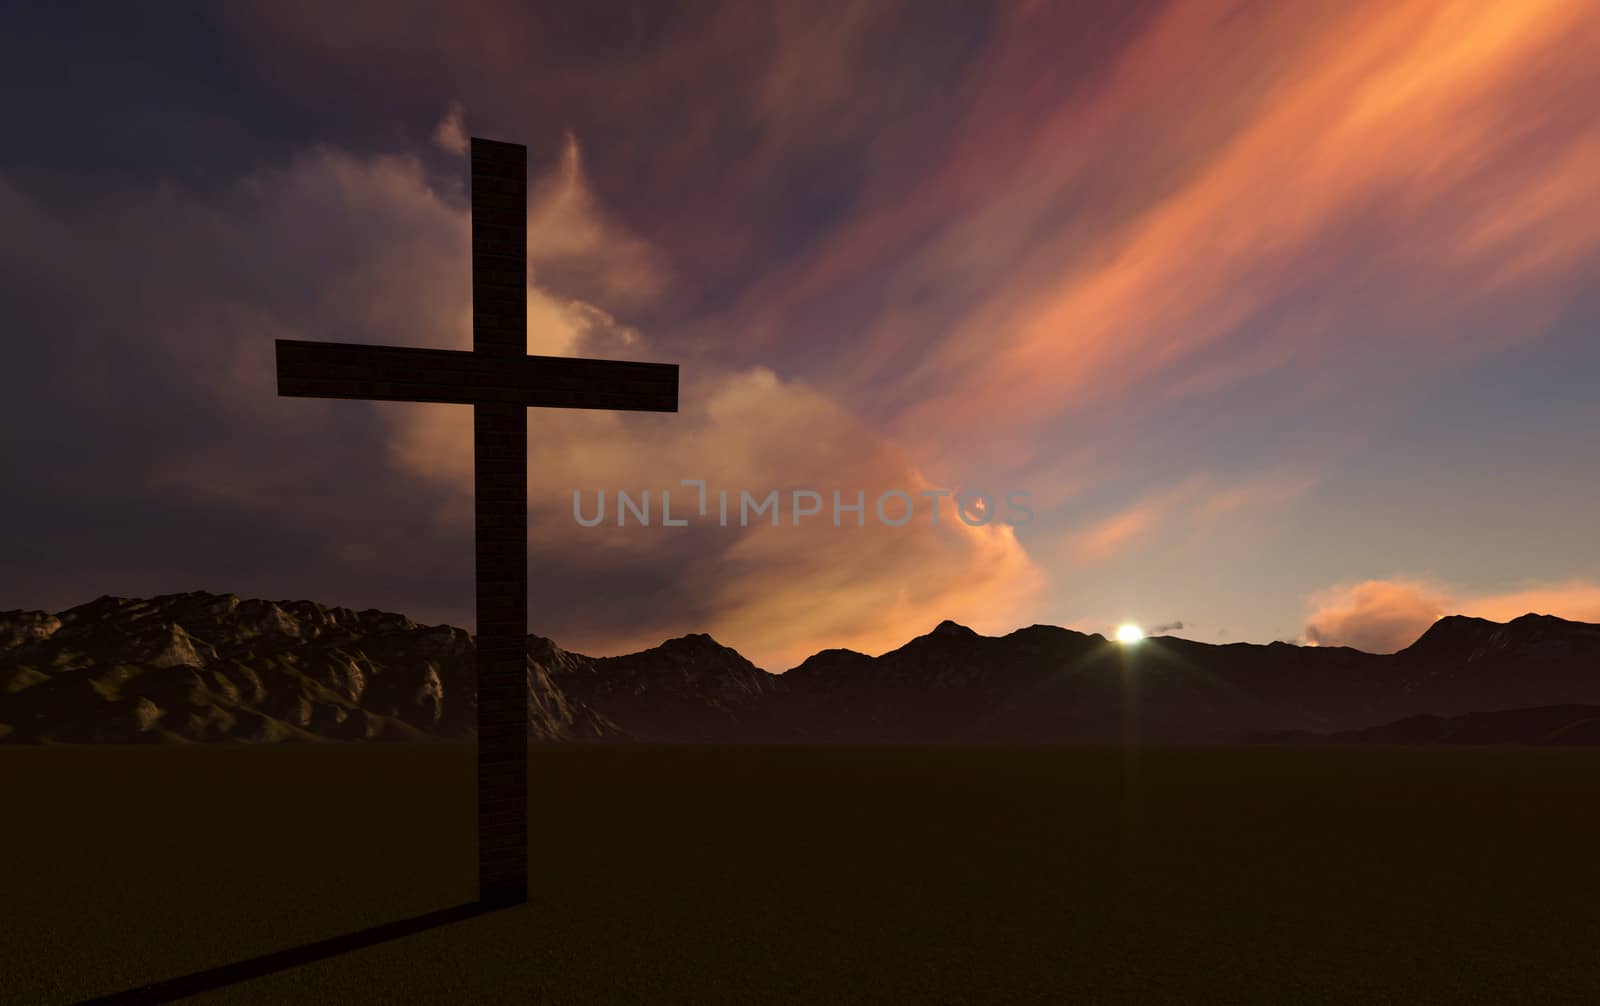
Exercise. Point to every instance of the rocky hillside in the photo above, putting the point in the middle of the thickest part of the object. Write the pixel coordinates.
(199, 667)
(207, 667)
(687, 689)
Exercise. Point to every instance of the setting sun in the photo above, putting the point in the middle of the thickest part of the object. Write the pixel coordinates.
(1129, 633)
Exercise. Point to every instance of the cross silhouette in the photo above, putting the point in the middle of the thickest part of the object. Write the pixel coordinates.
(501, 382)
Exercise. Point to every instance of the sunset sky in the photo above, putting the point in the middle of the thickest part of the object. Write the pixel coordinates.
(1283, 314)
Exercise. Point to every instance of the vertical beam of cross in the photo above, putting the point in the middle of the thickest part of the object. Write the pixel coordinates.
(500, 474)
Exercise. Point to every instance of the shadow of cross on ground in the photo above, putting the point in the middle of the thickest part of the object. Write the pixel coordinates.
(211, 979)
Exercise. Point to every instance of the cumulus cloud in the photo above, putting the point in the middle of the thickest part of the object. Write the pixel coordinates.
(450, 135)
(332, 246)
(779, 592)
(1379, 616)
(1382, 616)
(576, 243)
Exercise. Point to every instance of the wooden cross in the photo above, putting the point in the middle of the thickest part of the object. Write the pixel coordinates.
(501, 382)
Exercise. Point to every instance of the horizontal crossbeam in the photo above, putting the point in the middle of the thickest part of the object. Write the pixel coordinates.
(404, 374)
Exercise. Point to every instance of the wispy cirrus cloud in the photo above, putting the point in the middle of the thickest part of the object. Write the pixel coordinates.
(1318, 191)
(1197, 505)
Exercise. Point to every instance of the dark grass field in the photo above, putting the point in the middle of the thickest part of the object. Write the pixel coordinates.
(816, 876)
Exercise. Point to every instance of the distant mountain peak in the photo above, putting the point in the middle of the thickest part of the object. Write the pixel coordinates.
(1454, 623)
(952, 628)
(1533, 619)
(1466, 639)
(1453, 630)
(696, 652)
(695, 643)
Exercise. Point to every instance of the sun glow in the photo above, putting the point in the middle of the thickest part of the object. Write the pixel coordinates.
(1129, 633)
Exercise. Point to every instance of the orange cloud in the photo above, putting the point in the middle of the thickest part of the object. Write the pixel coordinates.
(1379, 616)
(1578, 600)
(1382, 616)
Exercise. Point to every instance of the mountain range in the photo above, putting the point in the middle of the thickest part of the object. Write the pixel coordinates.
(206, 667)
